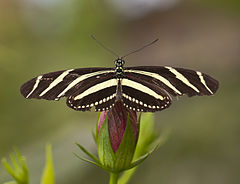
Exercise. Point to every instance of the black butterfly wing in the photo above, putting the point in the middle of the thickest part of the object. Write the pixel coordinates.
(66, 83)
(140, 95)
(176, 81)
(101, 94)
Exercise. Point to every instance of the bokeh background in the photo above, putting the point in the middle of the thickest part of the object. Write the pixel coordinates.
(40, 36)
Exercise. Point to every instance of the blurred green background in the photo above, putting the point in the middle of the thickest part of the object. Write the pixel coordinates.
(40, 36)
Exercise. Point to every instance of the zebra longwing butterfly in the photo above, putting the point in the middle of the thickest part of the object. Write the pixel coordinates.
(141, 88)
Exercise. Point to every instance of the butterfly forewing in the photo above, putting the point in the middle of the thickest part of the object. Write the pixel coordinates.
(52, 86)
(176, 81)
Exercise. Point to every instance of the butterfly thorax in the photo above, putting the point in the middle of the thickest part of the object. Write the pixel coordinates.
(119, 68)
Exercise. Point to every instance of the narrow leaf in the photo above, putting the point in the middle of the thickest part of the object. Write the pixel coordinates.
(88, 153)
(19, 171)
(89, 161)
(126, 148)
(105, 151)
(22, 161)
(48, 173)
(15, 164)
(9, 169)
(94, 136)
(139, 160)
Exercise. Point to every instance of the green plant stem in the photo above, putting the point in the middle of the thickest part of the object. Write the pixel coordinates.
(127, 175)
(113, 178)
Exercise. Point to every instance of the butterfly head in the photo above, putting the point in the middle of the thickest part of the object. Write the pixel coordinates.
(119, 62)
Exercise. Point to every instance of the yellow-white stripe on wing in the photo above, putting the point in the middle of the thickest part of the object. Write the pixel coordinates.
(101, 95)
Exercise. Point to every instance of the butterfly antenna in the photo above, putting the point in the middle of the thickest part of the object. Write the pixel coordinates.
(143, 47)
(103, 46)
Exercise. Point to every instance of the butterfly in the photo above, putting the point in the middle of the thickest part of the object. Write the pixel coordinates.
(140, 88)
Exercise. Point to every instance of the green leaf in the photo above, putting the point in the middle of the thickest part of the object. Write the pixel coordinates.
(127, 175)
(94, 163)
(147, 143)
(94, 136)
(139, 161)
(142, 158)
(10, 169)
(88, 153)
(105, 151)
(48, 173)
(89, 161)
(19, 171)
(125, 152)
(147, 134)
(15, 163)
(23, 164)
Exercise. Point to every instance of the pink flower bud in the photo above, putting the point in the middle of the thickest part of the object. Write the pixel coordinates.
(117, 133)
(117, 121)
(101, 120)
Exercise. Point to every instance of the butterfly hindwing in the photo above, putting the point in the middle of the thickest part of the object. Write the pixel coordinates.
(144, 96)
(101, 95)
